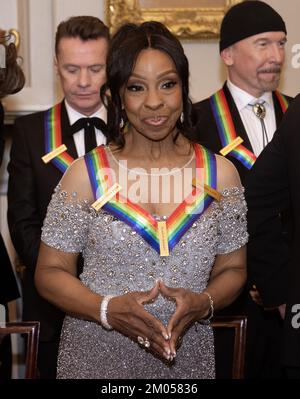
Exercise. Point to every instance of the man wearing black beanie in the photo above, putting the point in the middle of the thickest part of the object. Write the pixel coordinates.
(239, 121)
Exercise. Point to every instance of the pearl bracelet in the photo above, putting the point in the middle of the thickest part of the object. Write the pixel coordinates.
(211, 314)
(103, 311)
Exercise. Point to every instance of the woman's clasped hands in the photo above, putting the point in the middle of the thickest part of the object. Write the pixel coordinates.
(126, 314)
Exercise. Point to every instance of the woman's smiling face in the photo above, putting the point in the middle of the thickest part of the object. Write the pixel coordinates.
(152, 97)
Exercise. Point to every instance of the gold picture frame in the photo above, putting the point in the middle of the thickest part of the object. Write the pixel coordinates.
(186, 22)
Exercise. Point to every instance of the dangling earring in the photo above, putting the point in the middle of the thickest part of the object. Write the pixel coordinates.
(181, 117)
(121, 123)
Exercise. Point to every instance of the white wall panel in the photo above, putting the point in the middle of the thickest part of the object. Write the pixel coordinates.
(34, 22)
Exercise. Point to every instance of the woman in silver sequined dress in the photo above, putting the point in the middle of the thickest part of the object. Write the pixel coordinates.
(161, 223)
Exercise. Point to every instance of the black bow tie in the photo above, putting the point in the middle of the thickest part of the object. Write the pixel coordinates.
(89, 125)
(84, 123)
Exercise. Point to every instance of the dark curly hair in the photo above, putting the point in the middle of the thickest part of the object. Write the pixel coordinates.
(12, 78)
(125, 47)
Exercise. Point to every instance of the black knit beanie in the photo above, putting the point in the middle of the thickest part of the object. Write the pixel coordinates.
(249, 18)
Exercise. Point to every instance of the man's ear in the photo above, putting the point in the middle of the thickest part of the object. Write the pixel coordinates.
(227, 56)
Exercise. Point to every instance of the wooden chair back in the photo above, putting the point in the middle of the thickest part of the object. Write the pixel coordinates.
(239, 324)
(31, 329)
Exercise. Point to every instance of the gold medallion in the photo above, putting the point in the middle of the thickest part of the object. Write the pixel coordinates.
(107, 196)
(163, 238)
(57, 151)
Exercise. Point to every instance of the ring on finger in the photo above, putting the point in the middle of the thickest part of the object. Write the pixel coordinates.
(143, 342)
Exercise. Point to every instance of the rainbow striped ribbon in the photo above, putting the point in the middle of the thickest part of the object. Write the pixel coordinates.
(226, 128)
(53, 138)
(283, 101)
(139, 219)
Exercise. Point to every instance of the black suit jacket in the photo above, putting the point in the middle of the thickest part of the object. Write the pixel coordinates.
(8, 285)
(31, 184)
(273, 186)
(261, 328)
(209, 137)
(208, 132)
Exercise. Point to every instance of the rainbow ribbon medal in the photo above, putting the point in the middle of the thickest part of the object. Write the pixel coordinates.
(231, 142)
(138, 218)
(54, 149)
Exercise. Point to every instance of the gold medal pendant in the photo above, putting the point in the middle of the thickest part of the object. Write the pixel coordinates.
(59, 150)
(163, 238)
(208, 189)
(231, 146)
(107, 196)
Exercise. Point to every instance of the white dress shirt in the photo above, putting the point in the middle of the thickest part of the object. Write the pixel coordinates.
(251, 122)
(79, 136)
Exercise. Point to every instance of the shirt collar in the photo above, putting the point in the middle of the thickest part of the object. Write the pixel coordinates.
(242, 98)
(75, 115)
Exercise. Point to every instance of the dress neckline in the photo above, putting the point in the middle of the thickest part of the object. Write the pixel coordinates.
(139, 208)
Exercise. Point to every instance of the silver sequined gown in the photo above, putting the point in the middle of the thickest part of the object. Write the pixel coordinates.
(118, 260)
